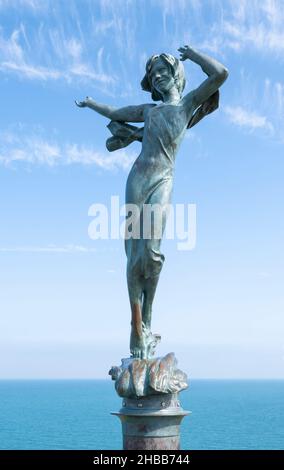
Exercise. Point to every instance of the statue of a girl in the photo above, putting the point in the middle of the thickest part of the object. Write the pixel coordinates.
(150, 180)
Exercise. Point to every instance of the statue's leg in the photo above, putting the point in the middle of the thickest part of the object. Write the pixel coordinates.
(137, 340)
(153, 260)
(150, 286)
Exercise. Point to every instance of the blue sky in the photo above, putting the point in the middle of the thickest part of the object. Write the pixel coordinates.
(63, 298)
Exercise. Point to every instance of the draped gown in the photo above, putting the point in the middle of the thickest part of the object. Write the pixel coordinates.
(150, 181)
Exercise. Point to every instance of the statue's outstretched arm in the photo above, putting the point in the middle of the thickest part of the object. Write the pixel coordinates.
(102, 109)
(135, 113)
(217, 74)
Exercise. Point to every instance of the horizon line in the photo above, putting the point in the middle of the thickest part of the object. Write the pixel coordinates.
(3, 379)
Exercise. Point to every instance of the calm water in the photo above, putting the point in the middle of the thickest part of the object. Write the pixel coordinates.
(76, 415)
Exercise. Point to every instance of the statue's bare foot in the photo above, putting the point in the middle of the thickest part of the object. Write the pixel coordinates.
(138, 348)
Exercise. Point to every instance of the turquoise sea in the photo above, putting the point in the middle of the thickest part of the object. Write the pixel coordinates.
(75, 414)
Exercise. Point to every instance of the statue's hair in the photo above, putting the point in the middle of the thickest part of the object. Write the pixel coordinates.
(176, 68)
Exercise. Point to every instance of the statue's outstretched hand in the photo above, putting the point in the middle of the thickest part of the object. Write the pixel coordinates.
(82, 104)
(185, 52)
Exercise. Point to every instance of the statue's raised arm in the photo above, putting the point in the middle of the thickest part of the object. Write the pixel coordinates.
(217, 74)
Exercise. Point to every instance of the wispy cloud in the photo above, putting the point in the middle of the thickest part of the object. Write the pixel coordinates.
(248, 119)
(100, 45)
(221, 26)
(69, 63)
(31, 71)
(31, 149)
(264, 274)
(48, 249)
(217, 25)
(78, 47)
(31, 4)
(255, 24)
(258, 106)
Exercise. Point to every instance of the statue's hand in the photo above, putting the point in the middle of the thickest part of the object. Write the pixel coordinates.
(82, 104)
(185, 52)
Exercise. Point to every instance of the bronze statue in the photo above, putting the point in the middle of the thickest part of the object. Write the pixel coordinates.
(150, 180)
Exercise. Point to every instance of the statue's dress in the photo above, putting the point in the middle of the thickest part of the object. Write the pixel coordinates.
(150, 181)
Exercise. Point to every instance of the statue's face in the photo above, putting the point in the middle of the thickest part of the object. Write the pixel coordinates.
(161, 77)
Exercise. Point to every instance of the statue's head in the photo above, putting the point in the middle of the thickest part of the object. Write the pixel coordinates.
(162, 73)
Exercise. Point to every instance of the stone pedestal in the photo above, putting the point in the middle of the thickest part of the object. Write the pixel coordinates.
(151, 422)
